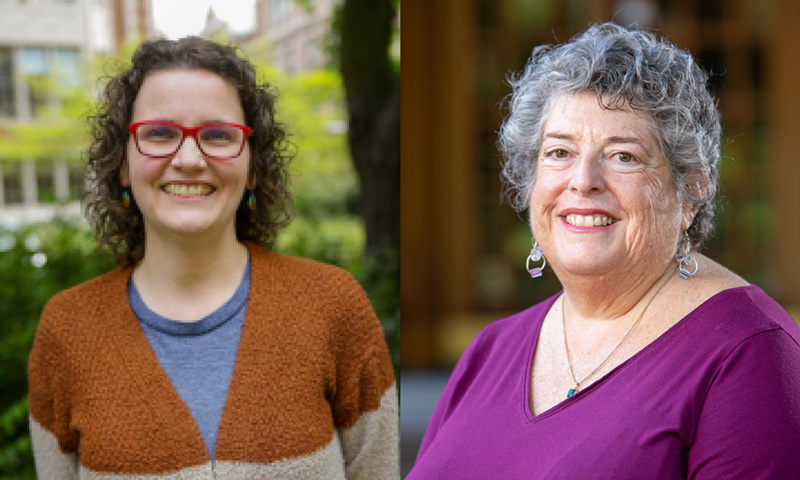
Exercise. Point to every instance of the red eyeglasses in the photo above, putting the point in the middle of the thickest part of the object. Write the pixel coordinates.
(159, 139)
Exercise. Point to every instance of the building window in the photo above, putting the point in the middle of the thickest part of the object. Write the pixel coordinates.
(34, 67)
(76, 181)
(67, 66)
(45, 184)
(34, 61)
(314, 54)
(290, 63)
(6, 83)
(12, 182)
(280, 12)
(46, 68)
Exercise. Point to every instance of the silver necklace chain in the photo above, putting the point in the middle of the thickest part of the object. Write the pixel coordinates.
(574, 390)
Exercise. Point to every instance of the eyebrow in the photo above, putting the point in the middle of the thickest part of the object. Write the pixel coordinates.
(559, 136)
(620, 139)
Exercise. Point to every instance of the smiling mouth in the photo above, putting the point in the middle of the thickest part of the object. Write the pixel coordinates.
(589, 220)
(184, 190)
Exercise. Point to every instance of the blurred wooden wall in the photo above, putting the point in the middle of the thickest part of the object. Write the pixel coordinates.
(437, 202)
(784, 138)
(460, 248)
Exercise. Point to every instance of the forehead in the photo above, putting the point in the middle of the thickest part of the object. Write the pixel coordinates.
(581, 114)
(179, 93)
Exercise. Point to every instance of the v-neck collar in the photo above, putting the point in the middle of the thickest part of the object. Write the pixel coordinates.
(528, 415)
(170, 404)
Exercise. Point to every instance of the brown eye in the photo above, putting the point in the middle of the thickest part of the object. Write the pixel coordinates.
(560, 153)
(625, 157)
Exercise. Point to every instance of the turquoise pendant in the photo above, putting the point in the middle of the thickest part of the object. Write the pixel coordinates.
(571, 392)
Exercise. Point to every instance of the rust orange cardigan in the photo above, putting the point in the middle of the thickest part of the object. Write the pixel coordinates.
(312, 394)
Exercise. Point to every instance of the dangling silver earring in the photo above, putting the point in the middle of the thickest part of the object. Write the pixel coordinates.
(686, 263)
(535, 255)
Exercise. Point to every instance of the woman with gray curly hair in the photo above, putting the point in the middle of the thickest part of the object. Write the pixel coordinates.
(205, 355)
(655, 361)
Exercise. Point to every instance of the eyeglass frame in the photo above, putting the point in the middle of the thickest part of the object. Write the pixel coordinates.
(189, 132)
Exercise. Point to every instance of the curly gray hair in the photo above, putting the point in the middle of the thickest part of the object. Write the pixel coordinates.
(625, 68)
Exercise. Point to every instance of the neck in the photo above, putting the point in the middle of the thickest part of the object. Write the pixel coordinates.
(178, 266)
(609, 297)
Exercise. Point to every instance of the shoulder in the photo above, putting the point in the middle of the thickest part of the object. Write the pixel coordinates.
(733, 306)
(321, 308)
(316, 295)
(95, 287)
(288, 272)
(751, 398)
(734, 320)
(73, 319)
(489, 364)
(85, 300)
(507, 335)
(742, 312)
(524, 321)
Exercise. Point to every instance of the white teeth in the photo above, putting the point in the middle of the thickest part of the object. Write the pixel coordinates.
(183, 190)
(589, 220)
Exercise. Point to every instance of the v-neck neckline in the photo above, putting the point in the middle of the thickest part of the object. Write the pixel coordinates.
(528, 414)
(230, 313)
(176, 408)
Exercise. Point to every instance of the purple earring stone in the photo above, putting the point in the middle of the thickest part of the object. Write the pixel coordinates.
(535, 256)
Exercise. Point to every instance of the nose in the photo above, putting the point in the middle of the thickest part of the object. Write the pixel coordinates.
(586, 176)
(189, 155)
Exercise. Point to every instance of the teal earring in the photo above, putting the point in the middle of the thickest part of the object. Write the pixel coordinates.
(251, 201)
(126, 199)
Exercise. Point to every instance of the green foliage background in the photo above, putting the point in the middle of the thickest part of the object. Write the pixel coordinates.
(38, 261)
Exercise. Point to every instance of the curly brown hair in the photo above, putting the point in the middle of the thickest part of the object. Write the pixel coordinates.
(122, 229)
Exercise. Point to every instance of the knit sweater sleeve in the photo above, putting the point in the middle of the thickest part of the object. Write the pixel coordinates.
(54, 441)
(365, 401)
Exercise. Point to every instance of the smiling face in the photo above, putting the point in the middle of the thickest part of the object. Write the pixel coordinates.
(186, 193)
(602, 200)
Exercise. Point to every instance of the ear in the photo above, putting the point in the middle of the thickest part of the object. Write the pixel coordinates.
(696, 187)
(688, 214)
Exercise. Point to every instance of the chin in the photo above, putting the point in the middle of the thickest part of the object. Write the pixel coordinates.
(189, 225)
(588, 262)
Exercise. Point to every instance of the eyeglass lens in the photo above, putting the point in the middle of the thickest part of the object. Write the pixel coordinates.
(215, 140)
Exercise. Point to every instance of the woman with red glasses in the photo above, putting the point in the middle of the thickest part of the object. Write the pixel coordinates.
(205, 355)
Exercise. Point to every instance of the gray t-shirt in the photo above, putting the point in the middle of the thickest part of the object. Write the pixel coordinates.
(198, 356)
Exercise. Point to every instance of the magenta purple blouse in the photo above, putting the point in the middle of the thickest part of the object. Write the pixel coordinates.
(716, 396)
